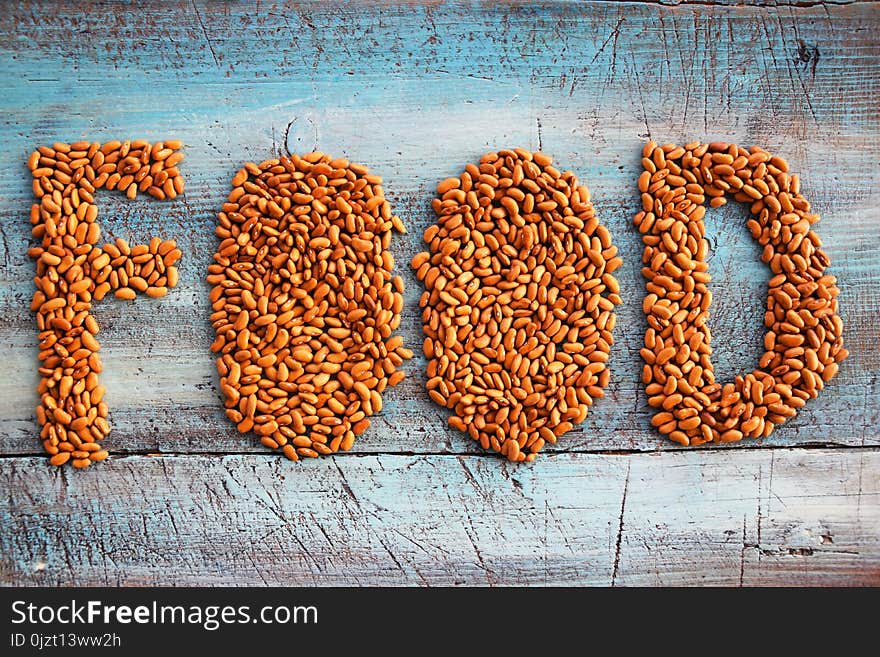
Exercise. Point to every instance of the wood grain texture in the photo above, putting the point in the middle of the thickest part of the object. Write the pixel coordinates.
(415, 90)
(727, 518)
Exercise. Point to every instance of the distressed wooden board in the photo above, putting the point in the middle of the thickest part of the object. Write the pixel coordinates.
(590, 86)
(726, 518)
(416, 90)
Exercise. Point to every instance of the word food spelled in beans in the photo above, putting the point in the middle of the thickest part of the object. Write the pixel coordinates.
(305, 303)
(518, 302)
(803, 342)
(517, 310)
(73, 272)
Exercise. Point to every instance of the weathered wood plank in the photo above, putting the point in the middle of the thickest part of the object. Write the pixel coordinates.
(416, 91)
(750, 517)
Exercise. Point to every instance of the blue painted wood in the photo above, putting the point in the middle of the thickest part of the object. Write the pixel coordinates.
(416, 90)
(725, 518)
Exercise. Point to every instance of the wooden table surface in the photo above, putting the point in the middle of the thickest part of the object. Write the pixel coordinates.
(416, 90)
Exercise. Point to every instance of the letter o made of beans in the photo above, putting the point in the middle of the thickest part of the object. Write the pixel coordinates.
(305, 303)
(803, 343)
(518, 302)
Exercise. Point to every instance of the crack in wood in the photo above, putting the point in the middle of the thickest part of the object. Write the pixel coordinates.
(620, 525)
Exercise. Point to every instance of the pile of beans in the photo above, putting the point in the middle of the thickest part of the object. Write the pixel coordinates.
(72, 272)
(304, 302)
(518, 302)
(804, 341)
